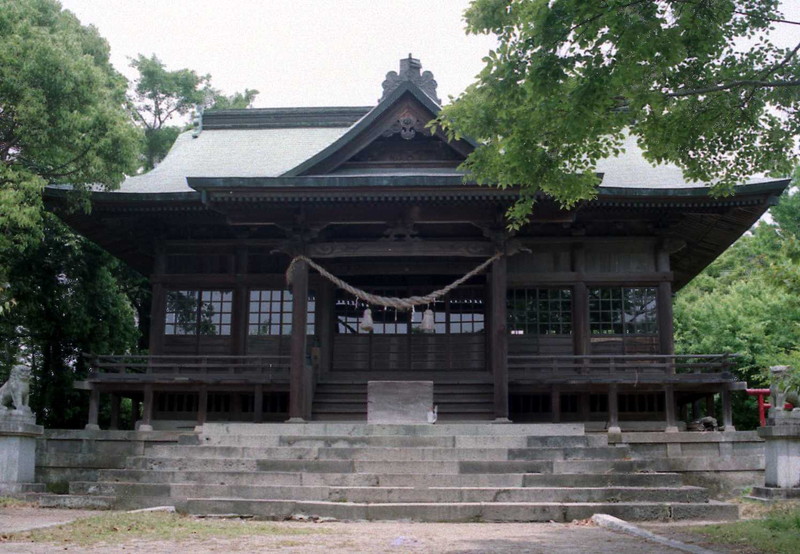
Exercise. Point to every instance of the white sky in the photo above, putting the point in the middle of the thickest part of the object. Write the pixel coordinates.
(305, 52)
(294, 52)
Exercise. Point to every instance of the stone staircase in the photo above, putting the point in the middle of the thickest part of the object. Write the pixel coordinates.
(443, 472)
(343, 400)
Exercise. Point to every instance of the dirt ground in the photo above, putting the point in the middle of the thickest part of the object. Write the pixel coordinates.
(504, 538)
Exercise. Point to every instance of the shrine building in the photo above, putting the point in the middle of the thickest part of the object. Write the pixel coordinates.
(568, 319)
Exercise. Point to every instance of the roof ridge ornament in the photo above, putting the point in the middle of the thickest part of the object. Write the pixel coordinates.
(410, 71)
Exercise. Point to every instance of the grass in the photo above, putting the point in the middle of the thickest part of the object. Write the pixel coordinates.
(777, 532)
(116, 528)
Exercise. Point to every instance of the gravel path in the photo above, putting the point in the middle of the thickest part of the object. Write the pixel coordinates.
(358, 537)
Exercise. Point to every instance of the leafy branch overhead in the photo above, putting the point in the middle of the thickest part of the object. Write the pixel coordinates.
(698, 83)
(159, 97)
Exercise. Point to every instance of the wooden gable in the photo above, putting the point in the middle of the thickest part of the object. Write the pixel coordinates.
(393, 136)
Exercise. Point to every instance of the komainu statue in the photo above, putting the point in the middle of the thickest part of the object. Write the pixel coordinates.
(16, 391)
(782, 393)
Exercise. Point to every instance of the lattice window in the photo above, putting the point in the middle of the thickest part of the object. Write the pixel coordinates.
(198, 312)
(623, 310)
(270, 313)
(462, 311)
(539, 311)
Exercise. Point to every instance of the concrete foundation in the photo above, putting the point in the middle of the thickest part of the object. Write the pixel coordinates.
(17, 452)
(782, 457)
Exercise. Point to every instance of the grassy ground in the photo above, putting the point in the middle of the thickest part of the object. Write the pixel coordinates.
(8, 502)
(115, 528)
(777, 531)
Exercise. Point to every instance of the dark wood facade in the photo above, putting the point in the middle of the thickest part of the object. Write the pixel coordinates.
(572, 323)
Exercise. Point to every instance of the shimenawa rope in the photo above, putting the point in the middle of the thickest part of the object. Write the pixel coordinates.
(388, 301)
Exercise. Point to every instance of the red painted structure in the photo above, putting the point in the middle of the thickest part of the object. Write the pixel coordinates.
(762, 406)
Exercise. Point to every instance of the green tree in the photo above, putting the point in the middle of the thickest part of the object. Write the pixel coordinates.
(161, 97)
(698, 83)
(70, 298)
(62, 116)
(747, 302)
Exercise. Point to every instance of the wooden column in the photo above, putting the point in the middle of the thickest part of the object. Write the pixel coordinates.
(298, 401)
(727, 411)
(325, 322)
(94, 410)
(580, 305)
(258, 404)
(555, 404)
(114, 422)
(158, 303)
(202, 405)
(711, 410)
(664, 306)
(499, 338)
(669, 409)
(239, 327)
(147, 410)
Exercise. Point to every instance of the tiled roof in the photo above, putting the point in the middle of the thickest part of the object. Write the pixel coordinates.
(232, 153)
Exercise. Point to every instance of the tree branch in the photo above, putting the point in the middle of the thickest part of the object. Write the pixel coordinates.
(732, 85)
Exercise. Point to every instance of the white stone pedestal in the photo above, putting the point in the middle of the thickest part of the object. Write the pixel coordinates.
(18, 435)
(399, 401)
(782, 460)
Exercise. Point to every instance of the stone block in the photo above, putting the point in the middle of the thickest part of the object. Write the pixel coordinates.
(782, 455)
(18, 448)
(399, 401)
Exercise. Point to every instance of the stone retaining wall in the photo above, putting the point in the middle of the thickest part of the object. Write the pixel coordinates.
(76, 455)
(725, 463)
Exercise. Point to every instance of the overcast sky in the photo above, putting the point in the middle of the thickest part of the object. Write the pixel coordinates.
(304, 52)
(295, 52)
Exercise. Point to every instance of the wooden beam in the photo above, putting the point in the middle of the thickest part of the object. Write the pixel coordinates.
(147, 409)
(669, 409)
(297, 373)
(115, 406)
(499, 338)
(389, 249)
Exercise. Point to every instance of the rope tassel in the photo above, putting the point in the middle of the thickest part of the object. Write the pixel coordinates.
(366, 321)
(427, 322)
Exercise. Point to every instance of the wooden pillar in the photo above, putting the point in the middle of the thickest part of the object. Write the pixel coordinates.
(325, 322)
(727, 411)
(158, 302)
(614, 431)
(94, 410)
(664, 307)
(298, 402)
(147, 410)
(580, 305)
(499, 338)
(258, 404)
(555, 404)
(669, 409)
(115, 402)
(202, 405)
(239, 326)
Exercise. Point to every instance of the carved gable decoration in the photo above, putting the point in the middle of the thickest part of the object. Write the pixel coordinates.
(394, 135)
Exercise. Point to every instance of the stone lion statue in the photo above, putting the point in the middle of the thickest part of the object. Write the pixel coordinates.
(16, 390)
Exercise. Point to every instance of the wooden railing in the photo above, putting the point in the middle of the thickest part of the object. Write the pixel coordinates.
(113, 367)
(633, 366)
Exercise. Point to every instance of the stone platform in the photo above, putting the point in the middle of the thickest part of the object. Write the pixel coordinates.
(18, 433)
(357, 471)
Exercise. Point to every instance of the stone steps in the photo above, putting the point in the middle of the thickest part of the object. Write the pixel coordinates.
(390, 454)
(464, 512)
(443, 472)
(380, 495)
(267, 478)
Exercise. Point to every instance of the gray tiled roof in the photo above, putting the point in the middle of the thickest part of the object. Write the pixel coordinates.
(273, 152)
(232, 153)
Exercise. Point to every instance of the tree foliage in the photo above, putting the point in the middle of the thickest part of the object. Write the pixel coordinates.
(747, 302)
(160, 97)
(698, 84)
(70, 297)
(62, 116)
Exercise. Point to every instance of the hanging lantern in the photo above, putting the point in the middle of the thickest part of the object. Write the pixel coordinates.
(366, 321)
(427, 321)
